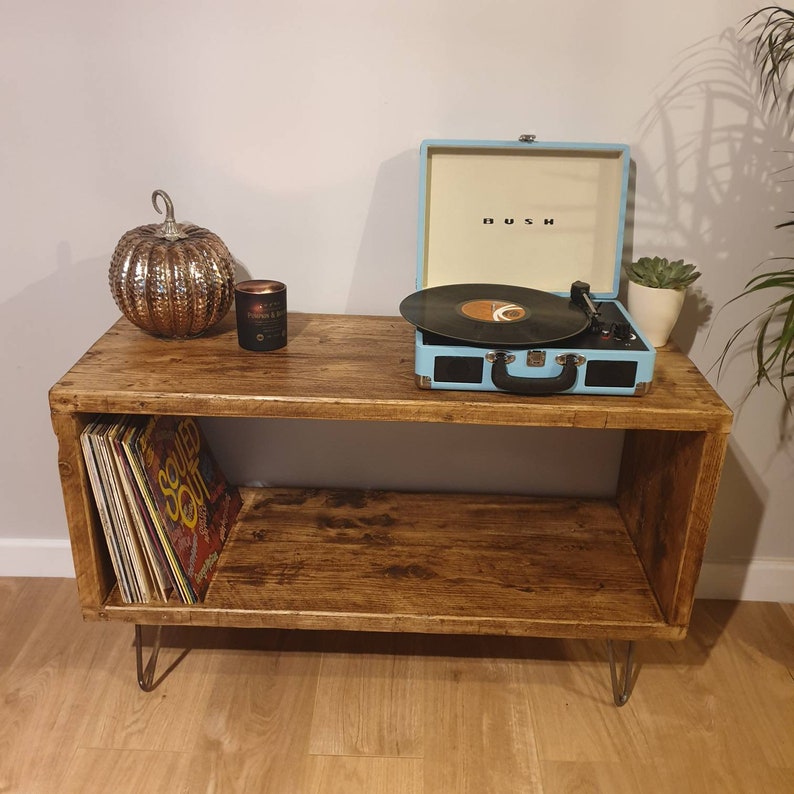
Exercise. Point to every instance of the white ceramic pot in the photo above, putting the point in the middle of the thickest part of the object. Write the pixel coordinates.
(655, 310)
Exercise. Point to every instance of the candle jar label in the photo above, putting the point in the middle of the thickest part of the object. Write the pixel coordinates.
(261, 308)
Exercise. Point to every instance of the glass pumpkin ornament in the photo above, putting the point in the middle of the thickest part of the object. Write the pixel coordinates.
(173, 279)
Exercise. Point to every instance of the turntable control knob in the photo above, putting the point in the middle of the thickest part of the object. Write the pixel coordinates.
(622, 331)
(606, 333)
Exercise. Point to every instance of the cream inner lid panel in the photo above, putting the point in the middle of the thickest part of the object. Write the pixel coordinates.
(531, 218)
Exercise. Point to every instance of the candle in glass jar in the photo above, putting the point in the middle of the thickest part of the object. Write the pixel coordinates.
(261, 307)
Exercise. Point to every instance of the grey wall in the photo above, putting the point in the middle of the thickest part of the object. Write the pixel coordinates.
(292, 130)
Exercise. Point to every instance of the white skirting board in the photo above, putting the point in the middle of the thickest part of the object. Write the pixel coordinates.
(755, 580)
(759, 579)
(35, 557)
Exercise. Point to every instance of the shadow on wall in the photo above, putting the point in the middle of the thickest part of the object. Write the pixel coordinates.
(715, 187)
(417, 456)
(45, 328)
(383, 272)
(49, 325)
(738, 511)
(713, 198)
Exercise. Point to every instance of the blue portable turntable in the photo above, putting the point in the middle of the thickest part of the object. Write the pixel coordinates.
(518, 267)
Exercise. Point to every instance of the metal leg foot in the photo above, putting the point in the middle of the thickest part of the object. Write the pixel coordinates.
(621, 690)
(146, 674)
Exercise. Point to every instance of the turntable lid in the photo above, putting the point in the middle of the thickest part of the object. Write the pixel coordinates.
(538, 215)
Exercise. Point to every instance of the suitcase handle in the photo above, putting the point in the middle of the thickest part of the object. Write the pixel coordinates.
(502, 379)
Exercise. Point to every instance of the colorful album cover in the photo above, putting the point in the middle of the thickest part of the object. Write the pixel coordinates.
(195, 502)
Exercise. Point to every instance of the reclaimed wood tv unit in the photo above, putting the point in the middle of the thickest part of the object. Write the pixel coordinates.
(621, 568)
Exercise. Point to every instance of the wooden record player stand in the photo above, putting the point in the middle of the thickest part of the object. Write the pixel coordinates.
(621, 568)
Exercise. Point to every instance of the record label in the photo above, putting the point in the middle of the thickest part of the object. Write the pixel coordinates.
(493, 311)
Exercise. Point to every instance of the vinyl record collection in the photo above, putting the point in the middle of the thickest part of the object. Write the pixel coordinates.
(165, 506)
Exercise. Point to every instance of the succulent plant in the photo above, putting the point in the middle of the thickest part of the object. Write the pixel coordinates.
(662, 274)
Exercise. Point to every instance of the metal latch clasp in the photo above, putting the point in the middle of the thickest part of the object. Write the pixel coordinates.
(577, 360)
(491, 357)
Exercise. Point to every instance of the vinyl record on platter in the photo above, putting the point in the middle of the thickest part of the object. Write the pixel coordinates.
(494, 314)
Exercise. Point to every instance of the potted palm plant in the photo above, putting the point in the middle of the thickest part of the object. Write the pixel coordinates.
(657, 288)
(773, 351)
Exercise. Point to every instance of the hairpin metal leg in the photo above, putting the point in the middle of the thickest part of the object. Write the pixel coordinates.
(621, 690)
(146, 674)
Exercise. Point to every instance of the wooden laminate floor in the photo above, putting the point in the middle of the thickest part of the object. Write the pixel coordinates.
(331, 713)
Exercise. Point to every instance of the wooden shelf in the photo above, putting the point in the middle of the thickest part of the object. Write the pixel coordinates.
(348, 367)
(383, 561)
(624, 567)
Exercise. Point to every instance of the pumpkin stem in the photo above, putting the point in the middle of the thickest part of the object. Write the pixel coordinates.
(170, 229)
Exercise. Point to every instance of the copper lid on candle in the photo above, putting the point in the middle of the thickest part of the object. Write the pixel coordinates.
(260, 286)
